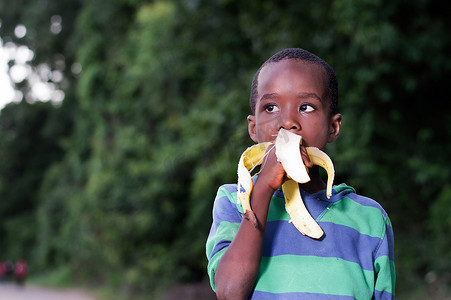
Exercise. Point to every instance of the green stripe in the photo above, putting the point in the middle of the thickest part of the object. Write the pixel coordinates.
(233, 198)
(277, 210)
(364, 217)
(387, 221)
(212, 265)
(222, 192)
(226, 231)
(386, 269)
(311, 274)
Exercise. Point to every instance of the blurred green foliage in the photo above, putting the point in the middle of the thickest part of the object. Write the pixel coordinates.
(117, 184)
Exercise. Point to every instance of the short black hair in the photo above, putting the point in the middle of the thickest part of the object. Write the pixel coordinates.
(306, 56)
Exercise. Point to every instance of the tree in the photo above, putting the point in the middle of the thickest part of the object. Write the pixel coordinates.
(28, 147)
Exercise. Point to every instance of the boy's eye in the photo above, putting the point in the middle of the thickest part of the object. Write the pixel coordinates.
(271, 108)
(306, 108)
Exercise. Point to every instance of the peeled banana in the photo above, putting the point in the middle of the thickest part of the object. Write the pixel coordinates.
(288, 153)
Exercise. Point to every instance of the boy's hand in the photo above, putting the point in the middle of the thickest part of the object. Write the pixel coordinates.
(272, 172)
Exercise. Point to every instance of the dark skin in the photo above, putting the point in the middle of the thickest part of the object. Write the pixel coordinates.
(291, 95)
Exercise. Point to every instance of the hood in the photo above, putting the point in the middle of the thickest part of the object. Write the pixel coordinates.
(340, 191)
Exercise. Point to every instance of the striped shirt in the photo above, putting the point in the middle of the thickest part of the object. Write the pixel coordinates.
(353, 260)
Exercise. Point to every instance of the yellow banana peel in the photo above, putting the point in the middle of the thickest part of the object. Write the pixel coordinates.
(288, 153)
(300, 217)
(251, 158)
(321, 159)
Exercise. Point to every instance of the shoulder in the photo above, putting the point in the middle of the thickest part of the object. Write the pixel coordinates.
(373, 220)
(364, 213)
(227, 190)
(226, 201)
(347, 193)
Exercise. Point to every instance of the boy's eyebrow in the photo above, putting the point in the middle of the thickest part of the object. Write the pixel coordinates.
(310, 95)
(269, 96)
(300, 95)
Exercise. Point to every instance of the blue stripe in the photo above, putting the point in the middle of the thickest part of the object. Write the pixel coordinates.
(384, 295)
(283, 238)
(315, 203)
(384, 248)
(223, 210)
(218, 247)
(231, 187)
(295, 296)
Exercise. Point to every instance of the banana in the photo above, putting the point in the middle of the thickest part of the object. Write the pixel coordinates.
(321, 159)
(251, 158)
(288, 153)
(300, 217)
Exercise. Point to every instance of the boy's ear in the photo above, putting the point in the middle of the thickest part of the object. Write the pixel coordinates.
(334, 128)
(251, 127)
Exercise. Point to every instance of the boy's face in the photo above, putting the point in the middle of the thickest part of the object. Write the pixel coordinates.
(292, 95)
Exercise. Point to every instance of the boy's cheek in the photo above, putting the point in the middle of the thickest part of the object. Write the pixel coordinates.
(266, 131)
(314, 139)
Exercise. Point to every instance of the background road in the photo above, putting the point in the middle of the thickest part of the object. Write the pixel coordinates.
(11, 291)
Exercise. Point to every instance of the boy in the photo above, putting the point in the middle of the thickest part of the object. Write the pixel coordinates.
(297, 91)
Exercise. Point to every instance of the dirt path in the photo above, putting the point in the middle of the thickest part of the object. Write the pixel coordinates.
(11, 291)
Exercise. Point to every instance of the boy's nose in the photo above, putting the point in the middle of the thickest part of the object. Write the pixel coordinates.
(289, 121)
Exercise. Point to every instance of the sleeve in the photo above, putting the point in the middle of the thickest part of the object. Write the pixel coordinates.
(384, 265)
(226, 221)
